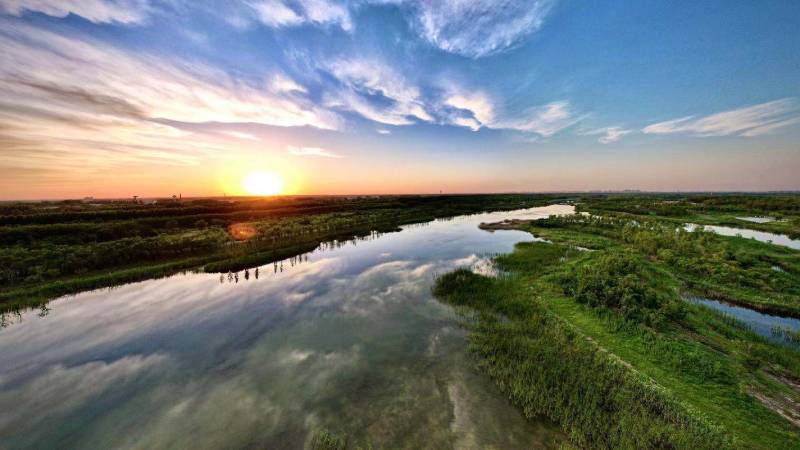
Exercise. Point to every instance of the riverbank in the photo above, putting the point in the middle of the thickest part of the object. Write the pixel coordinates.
(603, 343)
(66, 247)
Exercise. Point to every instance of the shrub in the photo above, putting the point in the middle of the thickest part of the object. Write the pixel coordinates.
(621, 281)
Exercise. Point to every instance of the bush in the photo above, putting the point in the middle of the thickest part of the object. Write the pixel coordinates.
(620, 281)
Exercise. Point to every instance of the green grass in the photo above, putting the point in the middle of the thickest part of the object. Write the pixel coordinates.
(709, 381)
(727, 268)
(721, 209)
(326, 440)
(673, 375)
(547, 367)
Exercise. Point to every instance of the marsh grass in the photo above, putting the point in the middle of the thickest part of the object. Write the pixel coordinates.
(603, 344)
(785, 333)
(550, 369)
(726, 268)
(325, 440)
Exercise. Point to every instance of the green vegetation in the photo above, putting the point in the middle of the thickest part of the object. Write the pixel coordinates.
(786, 334)
(325, 440)
(55, 248)
(602, 343)
(727, 268)
(621, 281)
(719, 209)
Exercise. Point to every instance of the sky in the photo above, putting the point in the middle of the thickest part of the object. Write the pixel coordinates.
(114, 98)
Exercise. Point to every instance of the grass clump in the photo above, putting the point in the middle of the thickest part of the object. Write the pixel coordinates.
(326, 440)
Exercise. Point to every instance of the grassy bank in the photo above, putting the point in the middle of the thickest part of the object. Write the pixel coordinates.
(602, 343)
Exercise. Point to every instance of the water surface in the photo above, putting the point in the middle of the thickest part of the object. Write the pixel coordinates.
(346, 338)
(762, 236)
(761, 323)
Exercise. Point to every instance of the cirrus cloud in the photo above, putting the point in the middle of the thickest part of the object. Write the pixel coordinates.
(608, 134)
(57, 71)
(478, 28)
(544, 120)
(478, 105)
(749, 121)
(85, 109)
(98, 11)
(376, 91)
(472, 28)
(282, 13)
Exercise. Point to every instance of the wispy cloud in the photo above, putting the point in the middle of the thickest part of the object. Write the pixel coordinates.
(80, 107)
(608, 134)
(280, 83)
(56, 72)
(770, 127)
(325, 11)
(275, 13)
(475, 109)
(376, 91)
(478, 28)
(239, 135)
(98, 11)
(474, 28)
(478, 107)
(311, 151)
(283, 13)
(545, 120)
(750, 121)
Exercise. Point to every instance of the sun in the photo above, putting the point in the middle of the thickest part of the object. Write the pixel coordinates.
(262, 183)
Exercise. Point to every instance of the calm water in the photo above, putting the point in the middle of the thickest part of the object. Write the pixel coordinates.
(346, 338)
(759, 322)
(763, 236)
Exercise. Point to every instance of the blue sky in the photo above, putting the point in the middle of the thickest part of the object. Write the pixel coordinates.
(123, 97)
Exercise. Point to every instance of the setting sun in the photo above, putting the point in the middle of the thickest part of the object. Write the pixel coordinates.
(262, 183)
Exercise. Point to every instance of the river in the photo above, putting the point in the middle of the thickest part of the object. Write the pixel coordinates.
(346, 338)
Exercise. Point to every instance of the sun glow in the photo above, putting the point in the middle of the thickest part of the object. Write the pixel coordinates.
(262, 183)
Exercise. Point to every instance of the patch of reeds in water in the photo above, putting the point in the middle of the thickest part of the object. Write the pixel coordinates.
(785, 333)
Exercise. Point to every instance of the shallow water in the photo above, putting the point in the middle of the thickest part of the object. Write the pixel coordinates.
(757, 219)
(759, 322)
(346, 338)
(762, 236)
